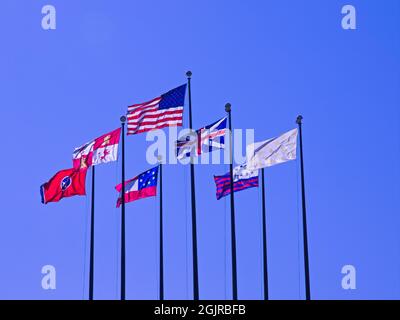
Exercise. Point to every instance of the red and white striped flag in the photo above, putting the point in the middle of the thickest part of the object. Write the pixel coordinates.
(161, 112)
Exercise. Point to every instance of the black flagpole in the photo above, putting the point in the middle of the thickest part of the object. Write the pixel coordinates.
(303, 198)
(91, 271)
(233, 232)
(161, 237)
(123, 120)
(266, 297)
(194, 223)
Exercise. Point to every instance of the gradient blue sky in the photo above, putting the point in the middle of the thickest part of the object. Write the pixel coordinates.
(272, 60)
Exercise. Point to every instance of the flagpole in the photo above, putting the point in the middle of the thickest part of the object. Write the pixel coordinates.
(193, 197)
(161, 236)
(123, 120)
(233, 231)
(91, 271)
(264, 221)
(303, 198)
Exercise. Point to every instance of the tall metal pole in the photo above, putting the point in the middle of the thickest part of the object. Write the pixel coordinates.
(193, 197)
(91, 268)
(233, 229)
(161, 236)
(264, 221)
(303, 198)
(123, 120)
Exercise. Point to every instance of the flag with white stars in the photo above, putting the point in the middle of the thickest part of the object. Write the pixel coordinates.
(142, 186)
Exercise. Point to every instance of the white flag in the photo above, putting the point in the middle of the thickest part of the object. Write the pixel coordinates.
(243, 173)
(273, 151)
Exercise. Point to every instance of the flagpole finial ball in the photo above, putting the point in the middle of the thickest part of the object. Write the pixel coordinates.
(123, 119)
(189, 74)
(299, 119)
(228, 107)
(159, 158)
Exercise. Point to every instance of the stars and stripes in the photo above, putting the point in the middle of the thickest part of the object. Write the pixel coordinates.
(243, 178)
(206, 139)
(161, 112)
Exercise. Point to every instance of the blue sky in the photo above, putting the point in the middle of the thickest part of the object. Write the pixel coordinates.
(272, 60)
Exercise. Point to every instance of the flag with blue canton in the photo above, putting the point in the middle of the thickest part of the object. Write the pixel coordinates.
(142, 186)
(206, 139)
(174, 98)
(161, 112)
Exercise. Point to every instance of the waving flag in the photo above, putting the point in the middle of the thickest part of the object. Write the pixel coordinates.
(206, 139)
(273, 151)
(243, 178)
(63, 184)
(101, 150)
(161, 112)
(142, 186)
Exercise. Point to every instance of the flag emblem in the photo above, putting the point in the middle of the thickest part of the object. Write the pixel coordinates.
(66, 183)
(161, 112)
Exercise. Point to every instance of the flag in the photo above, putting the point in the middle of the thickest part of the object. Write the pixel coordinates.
(161, 112)
(207, 139)
(101, 150)
(273, 151)
(65, 183)
(142, 186)
(243, 178)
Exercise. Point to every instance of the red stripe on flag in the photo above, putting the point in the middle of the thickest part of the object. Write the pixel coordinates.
(130, 131)
(134, 113)
(136, 195)
(139, 105)
(153, 123)
(223, 185)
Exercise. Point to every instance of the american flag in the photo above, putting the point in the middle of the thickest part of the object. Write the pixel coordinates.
(161, 112)
(206, 139)
(243, 178)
